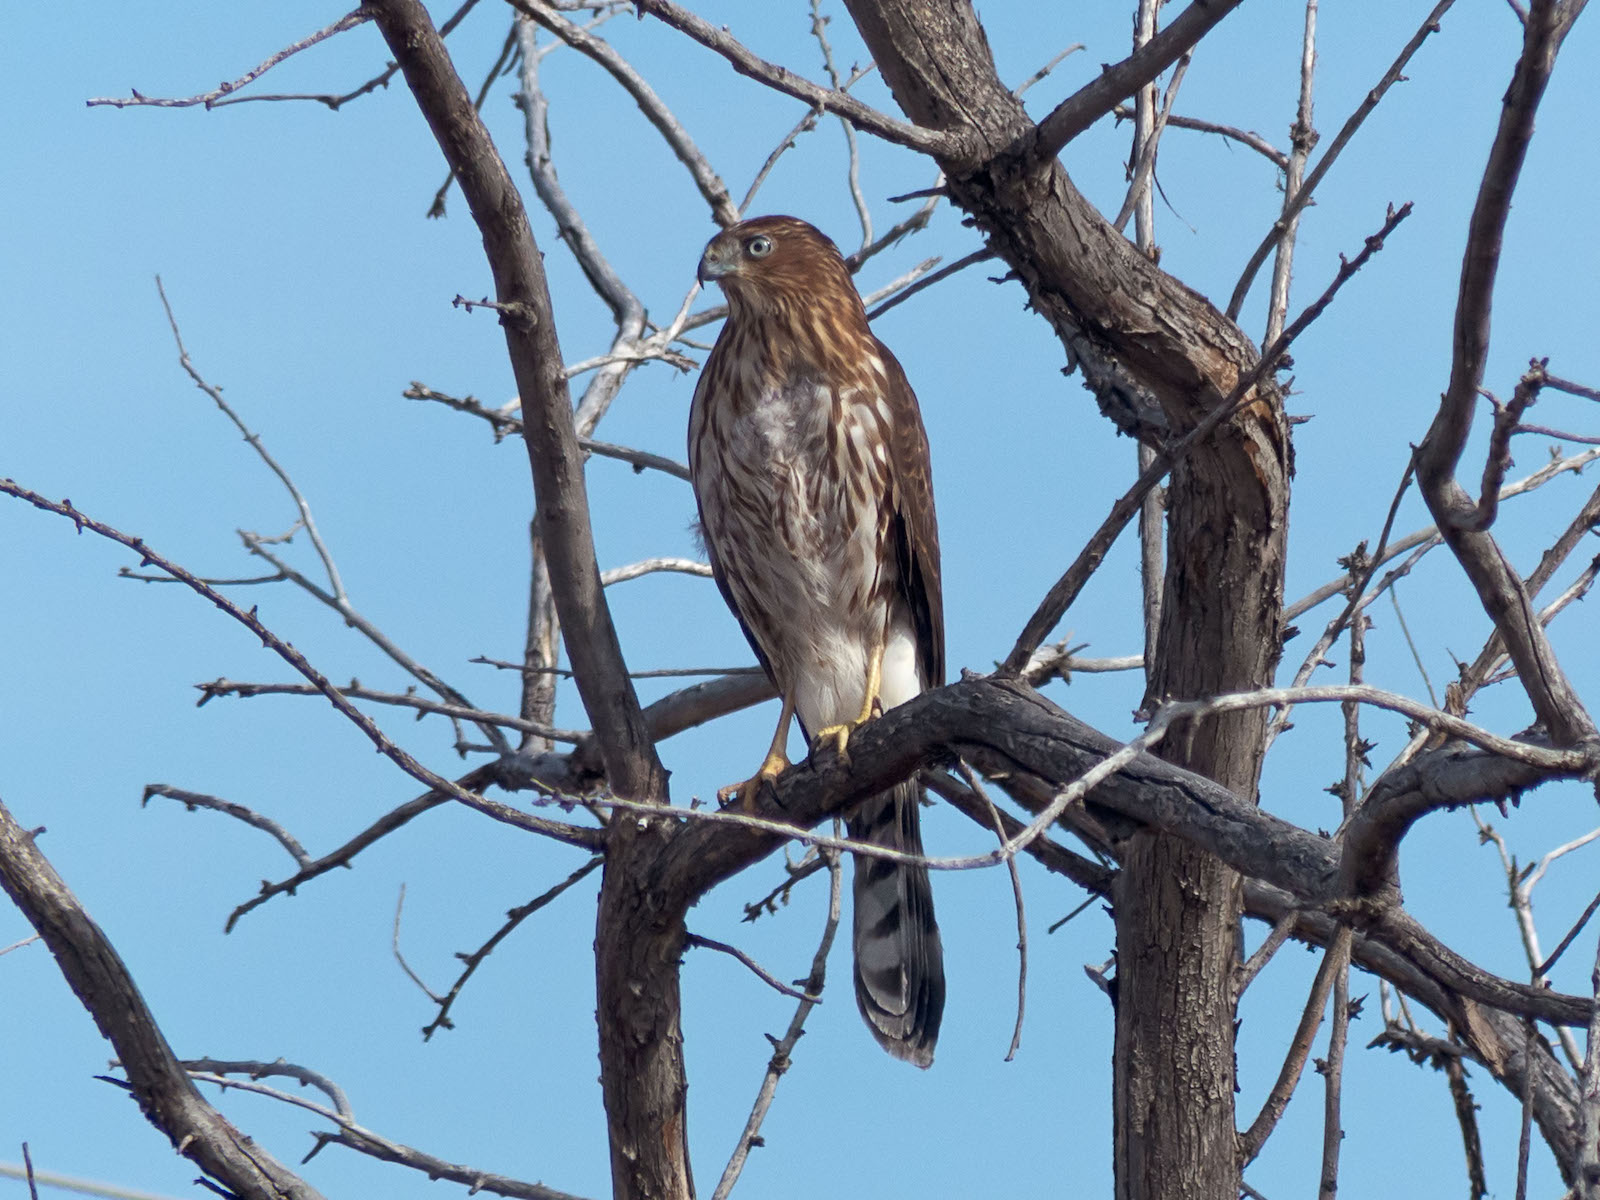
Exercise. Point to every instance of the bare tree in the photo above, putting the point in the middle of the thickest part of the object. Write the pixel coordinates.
(1171, 826)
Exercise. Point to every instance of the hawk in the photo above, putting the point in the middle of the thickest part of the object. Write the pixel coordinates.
(810, 469)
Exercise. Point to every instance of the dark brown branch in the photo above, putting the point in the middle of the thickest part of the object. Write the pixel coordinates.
(1497, 461)
(556, 460)
(1448, 778)
(1115, 84)
(508, 48)
(194, 800)
(862, 116)
(1501, 593)
(99, 978)
(1572, 389)
(1253, 1139)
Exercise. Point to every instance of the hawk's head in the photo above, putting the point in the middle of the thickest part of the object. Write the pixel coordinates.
(768, 264)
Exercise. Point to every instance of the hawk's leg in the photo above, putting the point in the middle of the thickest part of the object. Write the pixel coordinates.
(771, 767)
(871, 704)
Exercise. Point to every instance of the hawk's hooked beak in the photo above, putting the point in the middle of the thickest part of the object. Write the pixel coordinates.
(713, 265)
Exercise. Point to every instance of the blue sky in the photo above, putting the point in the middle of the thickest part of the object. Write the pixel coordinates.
(308, 284)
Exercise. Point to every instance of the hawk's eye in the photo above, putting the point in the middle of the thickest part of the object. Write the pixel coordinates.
(759, 246)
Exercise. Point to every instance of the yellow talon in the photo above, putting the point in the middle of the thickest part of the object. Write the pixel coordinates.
(871, 706)
(839, 735)
(771, 767)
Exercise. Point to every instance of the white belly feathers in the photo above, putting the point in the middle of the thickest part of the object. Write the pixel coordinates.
(793, 511)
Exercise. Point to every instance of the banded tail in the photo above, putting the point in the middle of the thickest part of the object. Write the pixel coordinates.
(899, 962)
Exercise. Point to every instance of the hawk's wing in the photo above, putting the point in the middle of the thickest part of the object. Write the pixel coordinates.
(913, 526)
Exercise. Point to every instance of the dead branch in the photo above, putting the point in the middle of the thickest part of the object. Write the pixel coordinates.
(194, 800)
(631, 763)
(1060, 597)
(1499, 590)
(1116, 83)
(1294, 205)
(103, 985)
(833, 100)
(349, 21)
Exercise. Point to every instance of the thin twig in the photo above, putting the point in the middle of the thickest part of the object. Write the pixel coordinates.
(1060, 597)
(760, 972)
(833, 100)
(1359, 567)
(784, 1047)
(706, 180)
(1244, 137)
(927, 281)
(194, 800)
(1293, 205)
(561, 832)
(819, 30)
(1281, 929)
(1577, 928)
(480, 717)
(1557, 466)
(1253, 1139)
(394, 946)
(973, 782)
(358, 1137)
(655, 566)
(1145, 159)
(307, 521)
(349, 21)
(1023, 88)
(1302, 137)
(1332, 1069)
(472, 961)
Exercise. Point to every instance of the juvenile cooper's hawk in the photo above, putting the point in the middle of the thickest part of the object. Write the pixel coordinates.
(810, 468)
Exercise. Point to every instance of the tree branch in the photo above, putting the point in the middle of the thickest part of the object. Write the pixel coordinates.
(1115, 84)
(553, 452)
(102, 983)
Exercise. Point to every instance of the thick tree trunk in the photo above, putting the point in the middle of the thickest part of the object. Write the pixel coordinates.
(1177, 908)
(638, 948)
(1158, 357)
